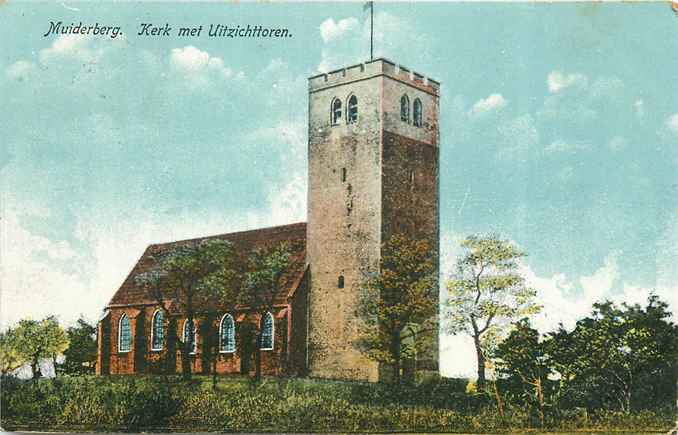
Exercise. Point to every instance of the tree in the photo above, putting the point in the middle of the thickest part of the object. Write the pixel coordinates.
(81, 355)
(487, 293)
(10, 357)
(202, 274)
(522, 363)
(399, 304)
(36, 340)
(262, 282)
(618, 357)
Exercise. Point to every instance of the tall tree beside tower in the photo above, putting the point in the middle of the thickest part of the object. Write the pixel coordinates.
(399, 303)
(486, 294)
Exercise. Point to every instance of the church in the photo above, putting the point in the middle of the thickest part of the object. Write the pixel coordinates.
(373, 171)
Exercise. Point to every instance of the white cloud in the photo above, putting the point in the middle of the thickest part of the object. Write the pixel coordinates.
(288, 204)
(492, 102)
(20, 70)
(36, 280)
(557, 81)
(191, 60)
(564, 301)
(343, 46)
(330, 29)
(672, 123)
(74, 46)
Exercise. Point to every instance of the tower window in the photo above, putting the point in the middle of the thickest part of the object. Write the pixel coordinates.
(404, 109)
(340, 281)
(411, 177)
(343, 174)
(336, 111)
(352, 114)
(417, 113)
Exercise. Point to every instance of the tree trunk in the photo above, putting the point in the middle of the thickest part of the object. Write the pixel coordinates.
(500, 402)
(395, 349)
(480, 384)
(35, 368)
(185, 362)
(54, 363)
(214, 350)
(257, 358)
(540, 400)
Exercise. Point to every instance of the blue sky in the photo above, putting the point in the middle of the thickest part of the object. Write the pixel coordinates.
(559, 130)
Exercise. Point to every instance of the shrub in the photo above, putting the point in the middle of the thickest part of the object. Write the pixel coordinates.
(299, 405)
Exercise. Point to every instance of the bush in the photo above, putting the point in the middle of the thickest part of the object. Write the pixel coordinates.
(299, 405)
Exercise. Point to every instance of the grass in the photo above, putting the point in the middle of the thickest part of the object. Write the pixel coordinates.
(147, 403)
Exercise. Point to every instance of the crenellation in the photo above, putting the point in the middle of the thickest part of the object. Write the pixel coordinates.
(377, 67)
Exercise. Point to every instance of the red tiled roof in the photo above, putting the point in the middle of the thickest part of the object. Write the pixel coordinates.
(130, 293)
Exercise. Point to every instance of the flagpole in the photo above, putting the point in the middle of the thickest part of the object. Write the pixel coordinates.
(372, 30)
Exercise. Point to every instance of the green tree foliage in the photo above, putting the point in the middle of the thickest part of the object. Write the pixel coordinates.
(486, 293)
(618, 358)
(202, 274)
(36, 340)
(81, 355)
(399, 305)
(10, 357)
(261, 284)
(521, 365)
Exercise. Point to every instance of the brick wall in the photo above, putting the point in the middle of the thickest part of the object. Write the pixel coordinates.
(142, 359)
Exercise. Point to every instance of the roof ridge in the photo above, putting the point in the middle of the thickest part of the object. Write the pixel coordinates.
(235, 233)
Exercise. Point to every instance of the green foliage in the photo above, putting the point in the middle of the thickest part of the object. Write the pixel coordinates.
(398, 306)
(35, 340)
(207, 270)
(521, 364)
(302, 405)
(487, 293)
(262, 280)
(81, 354)
(619, 358)
(205, 273)
(10, 356)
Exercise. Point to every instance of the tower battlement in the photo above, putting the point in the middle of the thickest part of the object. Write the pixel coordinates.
(370, 69)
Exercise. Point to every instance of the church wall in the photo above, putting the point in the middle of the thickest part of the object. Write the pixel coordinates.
(141, 359)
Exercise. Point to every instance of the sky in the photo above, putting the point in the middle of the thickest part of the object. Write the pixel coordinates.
(558, 124)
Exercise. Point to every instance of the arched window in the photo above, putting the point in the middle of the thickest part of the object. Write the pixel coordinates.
(157, 330)
(404, 108)
(340, 281)
(227, 334)
(189, 336)
(267, 332)
(417, 113)
(335, 115)
(352, 111)
(124, 334)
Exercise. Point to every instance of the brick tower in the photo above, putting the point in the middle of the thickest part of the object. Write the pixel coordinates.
(373, 171)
